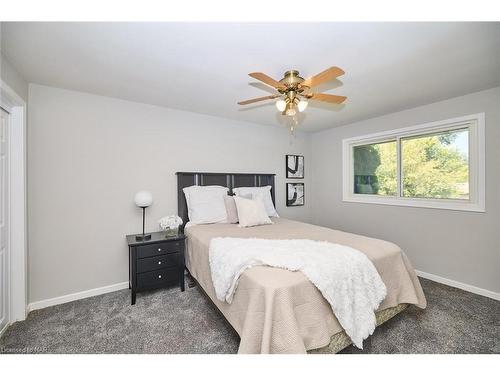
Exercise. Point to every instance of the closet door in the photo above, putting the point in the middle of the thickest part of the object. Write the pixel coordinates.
(4, 221)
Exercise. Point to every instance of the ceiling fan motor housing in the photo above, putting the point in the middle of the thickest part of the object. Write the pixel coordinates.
(292, 78)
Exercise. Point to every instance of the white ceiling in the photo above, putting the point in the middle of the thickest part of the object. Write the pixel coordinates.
(203, 67)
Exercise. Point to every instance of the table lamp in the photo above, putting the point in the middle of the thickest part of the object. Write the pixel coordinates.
(143, 199)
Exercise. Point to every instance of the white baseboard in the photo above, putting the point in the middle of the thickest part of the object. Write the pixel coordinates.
(459, 285)
(75, 296)
(124, 285)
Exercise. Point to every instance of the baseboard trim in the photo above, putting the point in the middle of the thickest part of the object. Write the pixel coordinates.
(124, 285)
(459, 285)
(75, 296)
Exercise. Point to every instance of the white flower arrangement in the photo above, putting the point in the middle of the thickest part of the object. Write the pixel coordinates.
(170, 222)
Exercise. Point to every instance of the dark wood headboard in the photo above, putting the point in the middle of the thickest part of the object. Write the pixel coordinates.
(230, 180)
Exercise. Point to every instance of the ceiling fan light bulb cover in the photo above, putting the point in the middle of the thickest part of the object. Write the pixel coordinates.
(281, 105)
(302, 105)
(290, 110)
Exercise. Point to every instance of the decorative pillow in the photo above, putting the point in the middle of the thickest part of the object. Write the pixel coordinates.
(264, 192)
(231, 210)
(206, 204)
(251, 212)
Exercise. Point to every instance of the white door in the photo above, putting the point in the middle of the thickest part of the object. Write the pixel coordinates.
(4, 221)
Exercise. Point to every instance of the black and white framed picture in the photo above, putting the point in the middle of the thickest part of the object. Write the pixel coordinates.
(295, 194)
(294, 166)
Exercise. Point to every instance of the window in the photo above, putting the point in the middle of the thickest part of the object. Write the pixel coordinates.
(375, 169)
(435, 165)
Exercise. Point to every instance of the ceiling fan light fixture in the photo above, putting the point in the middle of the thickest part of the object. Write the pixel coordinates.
(302, 105)
(281, 105)
(293, 91)
(290, 110)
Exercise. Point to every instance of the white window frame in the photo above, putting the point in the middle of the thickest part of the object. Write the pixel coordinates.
(476, 202)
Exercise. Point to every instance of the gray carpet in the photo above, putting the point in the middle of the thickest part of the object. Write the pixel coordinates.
(168, 321)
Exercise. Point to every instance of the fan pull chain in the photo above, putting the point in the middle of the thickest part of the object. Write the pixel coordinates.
(292, 127)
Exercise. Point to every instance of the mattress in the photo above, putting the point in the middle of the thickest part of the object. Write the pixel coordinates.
(279, 311)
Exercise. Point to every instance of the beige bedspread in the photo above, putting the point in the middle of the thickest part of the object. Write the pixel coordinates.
(279, 311)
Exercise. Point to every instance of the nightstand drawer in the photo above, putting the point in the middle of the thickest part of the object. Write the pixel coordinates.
(161, 248)
(158, 278)
(156, 263)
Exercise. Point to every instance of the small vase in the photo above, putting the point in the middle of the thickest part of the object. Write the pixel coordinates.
(171, 232)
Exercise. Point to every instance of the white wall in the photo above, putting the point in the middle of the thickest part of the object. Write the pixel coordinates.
(12, 78)
(462, 246)
(88, 155)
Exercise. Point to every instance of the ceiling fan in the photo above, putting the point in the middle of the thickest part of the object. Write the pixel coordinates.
(294, 91)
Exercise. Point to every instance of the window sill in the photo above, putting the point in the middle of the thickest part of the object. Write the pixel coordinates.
(450, 204)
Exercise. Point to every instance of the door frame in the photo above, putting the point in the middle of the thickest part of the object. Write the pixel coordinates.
(16, 106)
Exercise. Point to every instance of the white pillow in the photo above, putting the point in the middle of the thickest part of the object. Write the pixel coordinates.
(251, 212)
(206, 204)
(231, 210)
(264, 192)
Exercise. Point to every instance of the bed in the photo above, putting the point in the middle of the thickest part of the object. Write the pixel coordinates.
(279, 311)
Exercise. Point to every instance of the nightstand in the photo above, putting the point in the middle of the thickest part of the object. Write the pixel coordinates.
(156, 263)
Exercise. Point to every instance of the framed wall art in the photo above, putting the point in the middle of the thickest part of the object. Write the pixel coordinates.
(295, 194)
(294, 166)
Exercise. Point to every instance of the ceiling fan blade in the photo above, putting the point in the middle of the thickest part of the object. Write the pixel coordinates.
(336, 99)
(250, 101)
(266, 79)
(324, 76)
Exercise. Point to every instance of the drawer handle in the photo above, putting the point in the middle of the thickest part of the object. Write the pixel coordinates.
(159, 249)
(159, 262)
(159, 276)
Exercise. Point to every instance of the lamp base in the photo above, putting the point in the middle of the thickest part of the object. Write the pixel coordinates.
(145, 237)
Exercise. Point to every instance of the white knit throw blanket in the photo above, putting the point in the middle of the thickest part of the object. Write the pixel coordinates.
(346, 277)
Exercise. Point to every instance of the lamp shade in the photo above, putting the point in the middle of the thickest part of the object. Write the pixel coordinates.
(143, 198)
(281, 105)
(302, 105)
